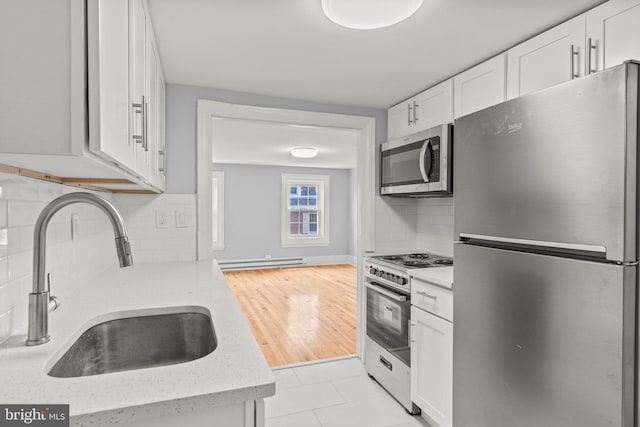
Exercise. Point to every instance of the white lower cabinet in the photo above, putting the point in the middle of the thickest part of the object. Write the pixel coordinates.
(432, 353)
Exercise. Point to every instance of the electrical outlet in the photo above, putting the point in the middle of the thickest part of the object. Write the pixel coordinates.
(162, 220)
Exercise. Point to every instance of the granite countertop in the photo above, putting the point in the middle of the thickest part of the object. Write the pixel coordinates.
(235, 372)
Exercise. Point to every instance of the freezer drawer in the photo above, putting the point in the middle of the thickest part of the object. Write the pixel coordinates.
(542, 340)
(558, 165)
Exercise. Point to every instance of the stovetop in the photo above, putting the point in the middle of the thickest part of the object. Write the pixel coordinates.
(414, 260)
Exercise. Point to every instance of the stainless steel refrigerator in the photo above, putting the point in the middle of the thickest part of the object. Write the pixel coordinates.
(546, 258)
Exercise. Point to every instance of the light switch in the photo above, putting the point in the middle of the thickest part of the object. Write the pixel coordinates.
(181, 218)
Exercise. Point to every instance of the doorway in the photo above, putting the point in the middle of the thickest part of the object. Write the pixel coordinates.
(364, 127)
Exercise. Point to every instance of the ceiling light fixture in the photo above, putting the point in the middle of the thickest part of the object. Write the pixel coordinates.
(369, 14)
(304, 152)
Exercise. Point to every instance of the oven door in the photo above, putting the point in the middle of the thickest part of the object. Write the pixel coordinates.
(388, 320)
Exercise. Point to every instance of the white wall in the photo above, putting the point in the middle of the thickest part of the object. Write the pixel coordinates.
(253, 207)
(181, 125)
(435, 225)
(415, 224)
(73, 263)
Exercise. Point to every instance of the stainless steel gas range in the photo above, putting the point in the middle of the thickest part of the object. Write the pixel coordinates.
(388, 286)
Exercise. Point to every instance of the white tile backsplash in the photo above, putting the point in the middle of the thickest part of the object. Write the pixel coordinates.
(435, 225)
(73, 262)
(421, 223)
(152, 244)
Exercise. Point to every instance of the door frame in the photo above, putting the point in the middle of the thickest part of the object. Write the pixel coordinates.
(208, 110)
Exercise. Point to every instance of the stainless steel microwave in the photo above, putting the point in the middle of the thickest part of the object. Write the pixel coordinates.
(418, 165)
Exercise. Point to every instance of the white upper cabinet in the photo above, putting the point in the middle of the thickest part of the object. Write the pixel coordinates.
(74, 96)
(480, 87)
(108, 61)
(434, 106)
(427, 109)
(613, 34)
(553, 57)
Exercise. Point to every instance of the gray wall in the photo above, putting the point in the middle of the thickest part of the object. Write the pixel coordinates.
(252, 209)
(182, 121)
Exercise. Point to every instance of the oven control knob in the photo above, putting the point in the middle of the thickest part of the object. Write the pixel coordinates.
(372, 271)
(379, 273)
(402, 281)
(385, 276)
(399, 280)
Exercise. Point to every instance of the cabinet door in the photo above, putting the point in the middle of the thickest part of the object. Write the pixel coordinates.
(400, 120)
(137, 83)
(434, 106)
(152, 102)
(613, 34)
(108, 60)
(432, 367)
(548, 59)
(479, 87)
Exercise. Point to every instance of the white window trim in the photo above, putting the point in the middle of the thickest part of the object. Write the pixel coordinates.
(217, 210)
(322, 239)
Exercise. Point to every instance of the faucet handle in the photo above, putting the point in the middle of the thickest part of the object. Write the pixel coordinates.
(53, 300)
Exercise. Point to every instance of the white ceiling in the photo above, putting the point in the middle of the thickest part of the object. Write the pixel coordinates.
(287, 48)
(269, 143)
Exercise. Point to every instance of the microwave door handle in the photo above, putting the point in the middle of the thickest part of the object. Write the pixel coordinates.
(426, 147)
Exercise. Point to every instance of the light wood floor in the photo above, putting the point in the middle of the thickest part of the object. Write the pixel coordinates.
(299, 314)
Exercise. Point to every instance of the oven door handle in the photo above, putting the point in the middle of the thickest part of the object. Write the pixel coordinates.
(392, 295)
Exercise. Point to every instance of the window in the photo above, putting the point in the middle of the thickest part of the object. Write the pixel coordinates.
(217, 210)
(305, 213)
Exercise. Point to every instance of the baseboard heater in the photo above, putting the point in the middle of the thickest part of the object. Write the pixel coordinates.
(246, 264)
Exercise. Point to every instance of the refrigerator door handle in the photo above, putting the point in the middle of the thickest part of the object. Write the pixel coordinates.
(539, 243)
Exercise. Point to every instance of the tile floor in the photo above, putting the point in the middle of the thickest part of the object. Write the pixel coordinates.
(334, 393)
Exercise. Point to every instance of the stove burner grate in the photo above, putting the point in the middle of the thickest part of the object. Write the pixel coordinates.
(419, 256)
(418, 264)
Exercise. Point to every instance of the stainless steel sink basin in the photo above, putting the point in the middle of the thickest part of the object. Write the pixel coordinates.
(138, 342)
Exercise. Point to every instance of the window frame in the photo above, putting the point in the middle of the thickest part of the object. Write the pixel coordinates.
(322, 238)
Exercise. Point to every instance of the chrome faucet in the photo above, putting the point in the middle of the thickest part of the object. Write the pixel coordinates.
(40, 301)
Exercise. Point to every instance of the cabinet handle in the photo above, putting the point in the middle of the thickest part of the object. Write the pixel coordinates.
(591, 46)
(415, 112)
(145, 130)
(426, 295)
(142, 109)
(410, 109)
(411, 325)
(164, 162)
(572, 69)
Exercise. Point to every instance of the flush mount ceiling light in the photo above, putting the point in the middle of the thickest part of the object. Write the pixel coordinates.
(304, 152)
(369, 14)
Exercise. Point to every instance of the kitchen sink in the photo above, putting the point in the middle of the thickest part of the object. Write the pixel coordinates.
(139, 342)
